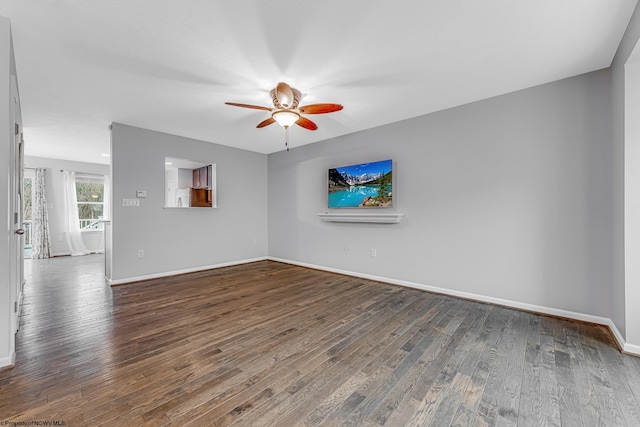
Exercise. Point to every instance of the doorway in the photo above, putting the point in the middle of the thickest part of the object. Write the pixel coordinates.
(27, 203)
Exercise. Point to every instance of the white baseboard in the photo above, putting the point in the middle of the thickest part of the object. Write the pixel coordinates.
(616, 334)
(632, 349)
(627, 348)
(184, 271)
(9, 361)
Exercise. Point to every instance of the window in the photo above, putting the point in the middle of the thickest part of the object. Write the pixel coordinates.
(90, 193)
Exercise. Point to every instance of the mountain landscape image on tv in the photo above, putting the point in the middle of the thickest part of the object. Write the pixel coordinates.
(367, 185)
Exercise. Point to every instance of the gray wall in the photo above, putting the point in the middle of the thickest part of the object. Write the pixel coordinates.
(507, 198)
(55, 199)
(181, 239)
(619, 292)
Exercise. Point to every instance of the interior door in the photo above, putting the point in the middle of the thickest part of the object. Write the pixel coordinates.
(16, 181)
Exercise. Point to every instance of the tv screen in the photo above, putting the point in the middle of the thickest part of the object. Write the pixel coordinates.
(367, 185)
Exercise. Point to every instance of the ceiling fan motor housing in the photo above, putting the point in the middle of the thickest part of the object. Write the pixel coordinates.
(285, 97)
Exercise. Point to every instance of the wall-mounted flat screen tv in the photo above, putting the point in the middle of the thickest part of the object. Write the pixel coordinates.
(366, 185)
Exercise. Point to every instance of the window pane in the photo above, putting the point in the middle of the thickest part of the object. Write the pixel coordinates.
(89, 216)
(89, 191)
(89, 211)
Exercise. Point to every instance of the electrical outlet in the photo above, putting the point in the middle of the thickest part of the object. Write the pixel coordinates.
(346, 249)
(140, 253)
(59, 238)
(255, 241)
(374, 253)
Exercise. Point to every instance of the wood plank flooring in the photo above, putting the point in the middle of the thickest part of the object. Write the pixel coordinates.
(270, 344)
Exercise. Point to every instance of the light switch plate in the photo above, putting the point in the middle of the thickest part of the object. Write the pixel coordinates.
(131, 203)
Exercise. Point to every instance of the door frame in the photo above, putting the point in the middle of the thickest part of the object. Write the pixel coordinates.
(16, 251)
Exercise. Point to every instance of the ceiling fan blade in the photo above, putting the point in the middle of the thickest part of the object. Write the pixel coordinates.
(266, 122)
(320, 108)
(255, 107)
(306, 123)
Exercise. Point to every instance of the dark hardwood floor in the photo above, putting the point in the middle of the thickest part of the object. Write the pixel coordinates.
(273, 344)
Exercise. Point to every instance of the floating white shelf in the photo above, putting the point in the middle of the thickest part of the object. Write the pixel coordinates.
(380, 218)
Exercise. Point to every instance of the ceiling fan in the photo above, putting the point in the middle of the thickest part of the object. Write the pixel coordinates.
(286, 112)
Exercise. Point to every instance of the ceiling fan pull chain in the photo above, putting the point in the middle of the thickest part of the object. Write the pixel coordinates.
(286, 138)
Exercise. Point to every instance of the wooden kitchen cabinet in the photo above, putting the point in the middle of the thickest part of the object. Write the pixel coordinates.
(201, 177)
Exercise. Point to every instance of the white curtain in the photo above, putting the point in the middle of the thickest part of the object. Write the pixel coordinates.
(71, 218)
(106, 209)
(40, 239)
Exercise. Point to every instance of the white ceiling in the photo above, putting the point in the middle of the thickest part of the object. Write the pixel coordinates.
(170, 65)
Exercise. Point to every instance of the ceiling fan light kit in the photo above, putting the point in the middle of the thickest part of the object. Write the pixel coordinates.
(286, 112)
(285, 118)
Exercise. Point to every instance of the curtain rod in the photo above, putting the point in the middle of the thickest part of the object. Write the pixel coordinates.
(85, 173)
(62, 170)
